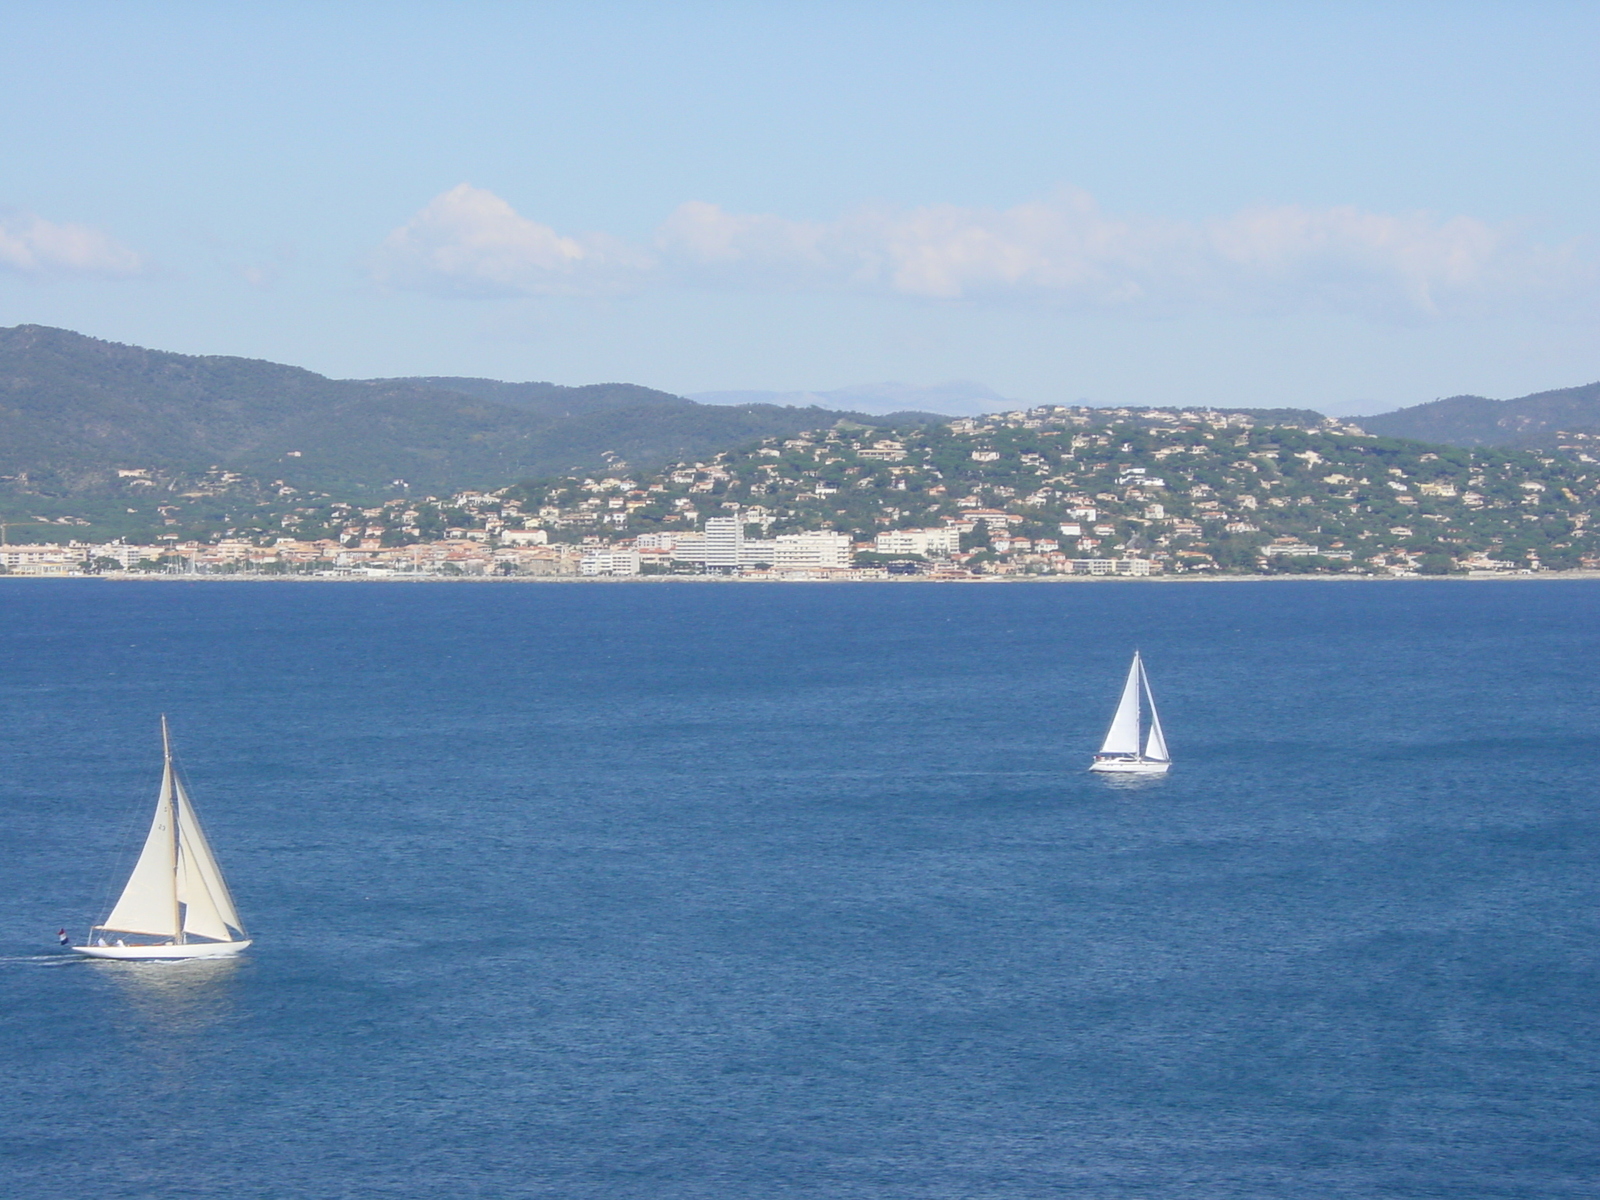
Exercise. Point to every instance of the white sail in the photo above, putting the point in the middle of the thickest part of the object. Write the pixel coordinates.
(1155, 746)
(176, 889)
(1123, 736)
(208, 908)
(149, 904)
(201, 913)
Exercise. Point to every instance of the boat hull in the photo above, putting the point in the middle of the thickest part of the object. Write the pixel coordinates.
(168, 953)
(1130, 766)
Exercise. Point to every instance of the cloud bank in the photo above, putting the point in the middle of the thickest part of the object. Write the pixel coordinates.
(1062, 252)
(470, 242)
(33, 246)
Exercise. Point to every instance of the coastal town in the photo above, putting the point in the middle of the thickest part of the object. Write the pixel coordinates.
(1052, 491)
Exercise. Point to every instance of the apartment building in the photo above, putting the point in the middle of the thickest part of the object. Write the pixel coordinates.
(45, 559)
(609, 562)
(724, 542)
(814, 548)
(929, 543)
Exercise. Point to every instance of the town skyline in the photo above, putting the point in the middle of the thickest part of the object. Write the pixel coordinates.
(1050, 491)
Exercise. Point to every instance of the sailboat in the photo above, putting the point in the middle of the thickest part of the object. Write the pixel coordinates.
(176, 892)
(1121, 753)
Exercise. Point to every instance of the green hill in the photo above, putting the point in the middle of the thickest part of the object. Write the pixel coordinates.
(1477, 421)
(548, 399)
(1192, 490)
(75, 410)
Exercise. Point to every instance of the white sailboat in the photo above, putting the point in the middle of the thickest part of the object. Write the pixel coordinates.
(1121, 753)
(176, 892)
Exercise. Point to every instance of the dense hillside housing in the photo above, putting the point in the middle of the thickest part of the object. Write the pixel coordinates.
(1046, 491)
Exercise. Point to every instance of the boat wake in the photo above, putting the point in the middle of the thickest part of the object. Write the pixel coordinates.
(1131, 783)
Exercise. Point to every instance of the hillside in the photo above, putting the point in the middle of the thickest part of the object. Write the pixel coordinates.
(547, 399)
(1048, 491)
(75, 411)
(1189, 490)
(118, 441)
(1477, 421)
(953, 399)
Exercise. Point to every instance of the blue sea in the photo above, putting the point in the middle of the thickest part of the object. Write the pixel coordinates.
(781, 892)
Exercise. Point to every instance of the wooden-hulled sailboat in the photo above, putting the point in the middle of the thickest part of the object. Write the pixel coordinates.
(176, 893)
(1122, 753)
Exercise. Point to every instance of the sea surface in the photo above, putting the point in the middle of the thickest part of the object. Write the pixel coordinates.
(760, 892)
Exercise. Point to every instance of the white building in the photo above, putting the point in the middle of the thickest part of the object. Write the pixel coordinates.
(1302, 549)
(126, 555)
(523, 537)
(609, 562)
(814, 548)
(724, 545)
(884, 451)
(1112, 566)
(41, 559)
(995, 519)
(687, 547)
(724, 539)
(929, 543)
(757, 551)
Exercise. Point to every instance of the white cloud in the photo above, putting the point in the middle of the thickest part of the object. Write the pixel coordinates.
(1067, 251)
(469, 241)
(1062, 252)
(30, 245)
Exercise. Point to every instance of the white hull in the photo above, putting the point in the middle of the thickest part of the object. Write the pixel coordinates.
(172, 952)
(1130, 766)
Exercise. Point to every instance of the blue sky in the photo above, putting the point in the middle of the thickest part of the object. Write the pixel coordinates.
(1350, 207)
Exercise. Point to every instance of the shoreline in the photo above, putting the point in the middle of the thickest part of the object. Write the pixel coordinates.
(244, 577)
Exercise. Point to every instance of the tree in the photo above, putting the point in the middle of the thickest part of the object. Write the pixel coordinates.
(1436, 564)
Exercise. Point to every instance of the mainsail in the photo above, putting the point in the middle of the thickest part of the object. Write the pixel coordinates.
(149, 904)
(1123, 736)
(176, 888)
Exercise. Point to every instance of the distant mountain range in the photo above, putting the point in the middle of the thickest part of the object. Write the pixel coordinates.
(959, 398)
(1527, 421)
(74, 410)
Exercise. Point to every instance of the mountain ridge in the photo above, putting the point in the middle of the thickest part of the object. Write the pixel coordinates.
(955, 398)
(1524, 421)
(75, 409)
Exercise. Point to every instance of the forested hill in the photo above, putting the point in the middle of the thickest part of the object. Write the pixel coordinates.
(556, 400)
(75, 410)
(1477, 421)
(548, 399)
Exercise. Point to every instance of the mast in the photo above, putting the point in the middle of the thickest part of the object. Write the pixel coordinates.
(177, 841)
(1138, 712)
(1139, 686)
